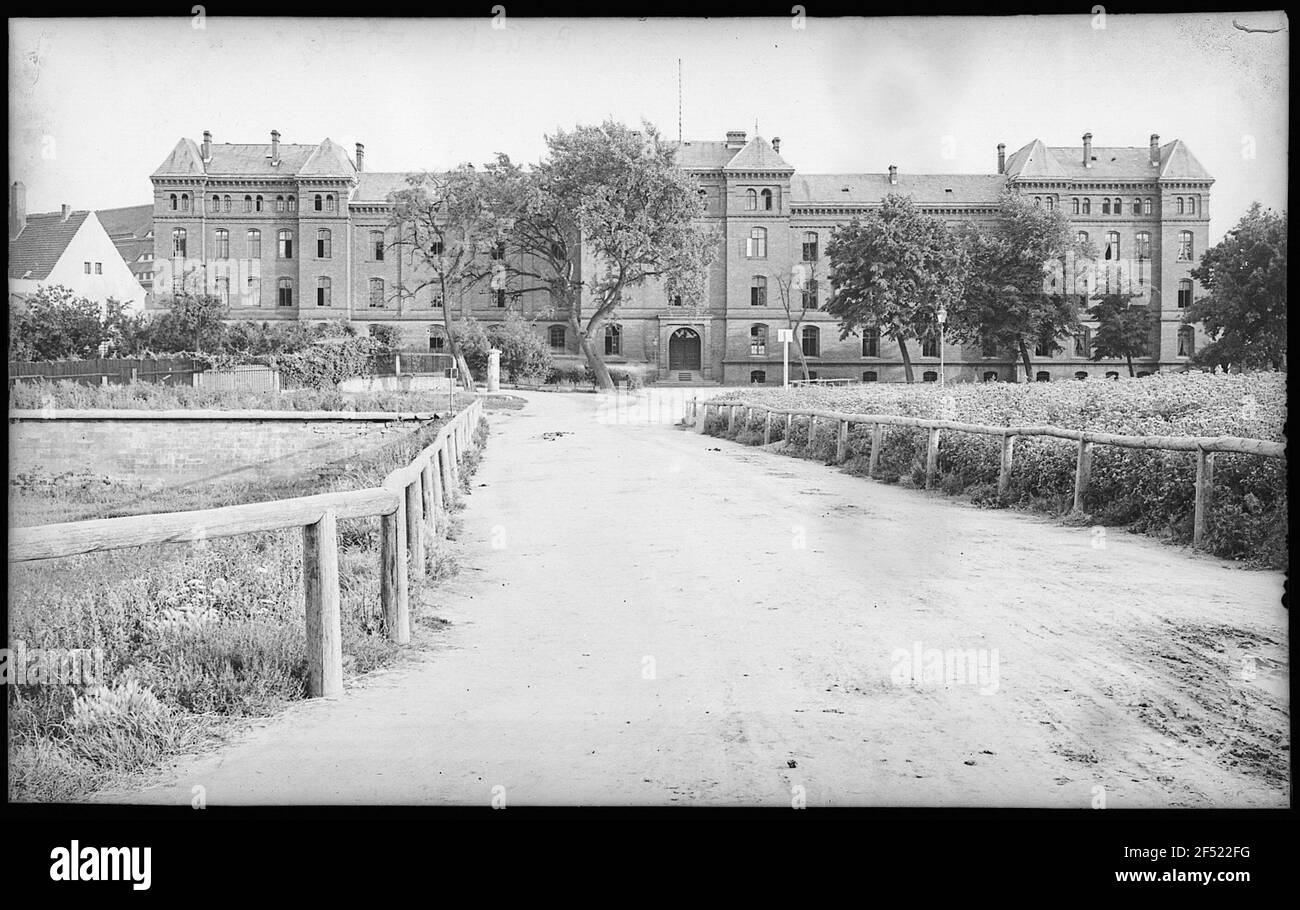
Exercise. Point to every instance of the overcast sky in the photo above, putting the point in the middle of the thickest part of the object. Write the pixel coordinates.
(96, 105)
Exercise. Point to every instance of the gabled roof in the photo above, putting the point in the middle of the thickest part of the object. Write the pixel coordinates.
(185, 161)
(327, 160)
(234, 160)
(374, 186)
(929, 189)
(34, 253)
(1037, 160)
(758, 155)
(134, 221)
(697, 155)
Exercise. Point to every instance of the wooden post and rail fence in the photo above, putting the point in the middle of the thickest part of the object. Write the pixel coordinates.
(1204, 447)
(407, 505)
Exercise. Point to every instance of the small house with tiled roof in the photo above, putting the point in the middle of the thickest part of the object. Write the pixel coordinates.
(68, 248)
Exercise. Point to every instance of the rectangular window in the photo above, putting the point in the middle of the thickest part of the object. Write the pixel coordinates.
(87, 268)
(500, 297)
(223, 290)
(809, 294)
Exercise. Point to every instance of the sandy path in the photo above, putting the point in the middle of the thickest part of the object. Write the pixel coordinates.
(649, 616)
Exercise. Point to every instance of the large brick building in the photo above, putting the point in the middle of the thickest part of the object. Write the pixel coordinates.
(285, 231)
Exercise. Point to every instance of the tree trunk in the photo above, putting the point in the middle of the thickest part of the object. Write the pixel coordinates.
(803, 360)
(595, 362)
(1024, 358)
(1129, 358)
(907, 360)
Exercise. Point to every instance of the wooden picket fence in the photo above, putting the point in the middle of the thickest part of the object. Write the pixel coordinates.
(407, 505)
(1204, 447)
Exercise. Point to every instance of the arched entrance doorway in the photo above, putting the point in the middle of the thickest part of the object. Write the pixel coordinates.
(684, 350)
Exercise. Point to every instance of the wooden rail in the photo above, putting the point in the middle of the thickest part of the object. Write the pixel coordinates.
(406, 504)
(1204, 447)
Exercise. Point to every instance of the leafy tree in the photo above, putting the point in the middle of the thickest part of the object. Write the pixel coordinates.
(894, 270)
(1244, 313)
(54, 324)
(445, 223)
(1122, 328)
(608, 210)
(1014, 294)
(196, 318)
(524, 353)
(126, 330)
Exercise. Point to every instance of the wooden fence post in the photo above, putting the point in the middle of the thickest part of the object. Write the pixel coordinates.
(392, 574)
(932, 457)
(444, 474)
(877, 440)
(767, 429)
(789, 425)
(1004, 470)
(812, 431)
(1204, 488)
(702, 419)
(320, 583)
(415, 528)
(1082, 473)
(427, 485)
(731, 418)
(842, 443)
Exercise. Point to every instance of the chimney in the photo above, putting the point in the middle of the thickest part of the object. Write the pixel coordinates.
(776, 144)
(275, 147)
(1002, 157)
(1155, 150)
(361, 157)
(893, 175)
(735, 139)
(66, 212)
(17, 209)
(207, 146)
(1087, 149)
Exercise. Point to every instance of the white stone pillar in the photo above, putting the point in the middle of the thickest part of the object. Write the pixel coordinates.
(494, 370)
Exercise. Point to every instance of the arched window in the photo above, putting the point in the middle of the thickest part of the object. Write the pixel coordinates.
(322, 292)
(758, 291)
(1112, 246)
(319, 202)
(1083, 342)
(1184, 293)
(225, 203)
(323, 244)
(1044, 347)
(1185, 246)
(376, 292)
(437, 343)
(555, 335)
(248, 203)
(175, 202)
(676, 300)
(756, 244)
(758, 340)
(1038, 202)
(809, 294)
(1142, 245)
(1112, 374)
(253, 240)
(1042, 376)
(810, 341)
(1179, 205)
(1186, 341)
(1105, 206)
(377, 246)
(870, 376)
(178, 243)
(285, 239)
(757, 377)
(990, 375)
(1146, 206)
(253, 291)
(1087, 206)
(1191, 205)
(284, 292)
(1080, 374)
(293, 203)
(930, 346)
(613, 340)
(1081, 237)
(498, 251)
(221, 243)
(1119, 206)
(331, 205)
(279, 203)
(1074, 206)
(257, 203)
(185, 202)
(810, 246)
(215, 205)
(1049, 203)
(767, 200)
(751, 200)
(871, 342)
(930, 376)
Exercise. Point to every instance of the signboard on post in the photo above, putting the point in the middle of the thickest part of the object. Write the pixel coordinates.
(785, 336)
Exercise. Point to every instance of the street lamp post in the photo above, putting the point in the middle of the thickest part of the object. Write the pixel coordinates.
(943, 318)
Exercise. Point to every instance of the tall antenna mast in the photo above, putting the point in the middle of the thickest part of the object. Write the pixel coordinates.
(679, 100)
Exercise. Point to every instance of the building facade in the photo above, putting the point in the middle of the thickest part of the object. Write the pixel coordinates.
(301, 232)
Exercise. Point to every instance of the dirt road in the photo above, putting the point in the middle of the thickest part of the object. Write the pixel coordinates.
(648, 616)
